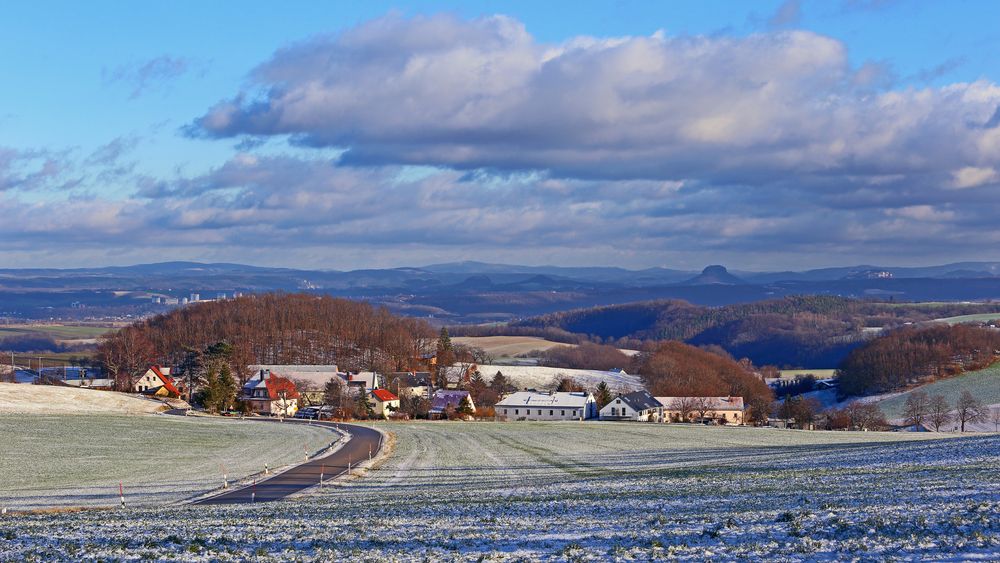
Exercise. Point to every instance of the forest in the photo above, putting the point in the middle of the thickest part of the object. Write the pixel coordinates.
(801, 331)
(674, 369)
(272, 328)
(914, 355)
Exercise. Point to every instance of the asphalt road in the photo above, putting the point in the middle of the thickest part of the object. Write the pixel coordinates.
(363, 441)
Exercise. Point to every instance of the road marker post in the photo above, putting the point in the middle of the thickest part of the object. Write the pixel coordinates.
(265, 469)
(253, 492)
(322, 471)
(121, 493)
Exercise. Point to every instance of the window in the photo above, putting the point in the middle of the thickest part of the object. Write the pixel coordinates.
(539, 412)
(515, 411)
(551, 412)
(505, 411)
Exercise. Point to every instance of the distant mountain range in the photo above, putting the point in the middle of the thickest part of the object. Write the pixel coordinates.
(474, 291)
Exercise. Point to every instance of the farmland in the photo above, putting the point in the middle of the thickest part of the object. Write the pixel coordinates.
(585, 492)
(50, 399)
(77, 460)
(507, 346)
(983, 384)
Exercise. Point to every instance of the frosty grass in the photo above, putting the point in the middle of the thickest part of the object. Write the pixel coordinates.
(78, 460)
(585, 492)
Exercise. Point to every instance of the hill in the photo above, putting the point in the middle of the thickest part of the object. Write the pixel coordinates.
(803, 331)
(984, 384)
(48, 399)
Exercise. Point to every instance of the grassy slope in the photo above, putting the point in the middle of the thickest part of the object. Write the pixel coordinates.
(58, 332)
(588, 492)
(77, 460)
(46, 399)
(969, 318)
(983, 384)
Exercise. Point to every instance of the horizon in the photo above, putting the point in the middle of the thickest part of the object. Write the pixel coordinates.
(511, 265)
(769, 136)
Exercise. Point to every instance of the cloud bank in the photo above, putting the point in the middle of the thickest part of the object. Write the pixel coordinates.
(471, 139)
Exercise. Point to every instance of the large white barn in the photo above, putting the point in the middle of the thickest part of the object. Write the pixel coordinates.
(535, 405)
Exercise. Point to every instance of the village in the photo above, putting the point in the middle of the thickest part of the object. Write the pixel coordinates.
(323, 392)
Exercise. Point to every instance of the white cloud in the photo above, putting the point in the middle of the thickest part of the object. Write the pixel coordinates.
(973, 177)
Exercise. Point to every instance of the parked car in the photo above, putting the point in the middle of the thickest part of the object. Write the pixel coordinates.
(310, 413)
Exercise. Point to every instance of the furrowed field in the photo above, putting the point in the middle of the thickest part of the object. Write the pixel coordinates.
(586, 492)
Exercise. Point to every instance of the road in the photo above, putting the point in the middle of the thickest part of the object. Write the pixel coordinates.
(364, 441)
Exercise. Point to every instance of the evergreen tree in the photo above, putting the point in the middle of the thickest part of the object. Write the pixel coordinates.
(227, 388)
(445, 357)
(603, 394)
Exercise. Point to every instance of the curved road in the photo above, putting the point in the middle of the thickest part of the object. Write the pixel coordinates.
(363, 441)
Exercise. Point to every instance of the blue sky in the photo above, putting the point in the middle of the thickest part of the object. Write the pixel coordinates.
(312, 135)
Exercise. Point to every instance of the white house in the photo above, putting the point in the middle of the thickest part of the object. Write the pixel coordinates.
(271, 394)
(534, 405)
(637, 405)
(383, 402)
(156, 381)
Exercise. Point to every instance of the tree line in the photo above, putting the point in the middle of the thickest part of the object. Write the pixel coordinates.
(914, 355)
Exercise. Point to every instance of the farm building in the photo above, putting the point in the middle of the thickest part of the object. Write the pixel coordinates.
(534, 405)
(411, 384)
(722, 410)
(157, 382)
(638, 406)
(316, 374)
(270, 394)
(383, 402)
(445, 400)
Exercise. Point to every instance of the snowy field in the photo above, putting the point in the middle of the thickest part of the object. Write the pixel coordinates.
(49, 399)
(78, 460)
(586, 492)
(540, 377)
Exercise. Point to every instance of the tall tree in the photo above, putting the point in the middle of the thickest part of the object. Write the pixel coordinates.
(916, 408)
(938, 412)
(445, 357)
(970, 410)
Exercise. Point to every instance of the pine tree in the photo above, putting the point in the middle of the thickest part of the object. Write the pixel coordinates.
(603, 395)
(445, 357)
(226, 388)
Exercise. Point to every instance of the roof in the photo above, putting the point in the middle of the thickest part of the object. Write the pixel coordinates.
(384, 395)
(413, 379)
(715, 403)
(444, 398)
(640, 400)
(318, 375)
(276, 385)
(546, 399)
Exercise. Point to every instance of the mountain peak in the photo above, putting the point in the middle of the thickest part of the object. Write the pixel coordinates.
(714, 274)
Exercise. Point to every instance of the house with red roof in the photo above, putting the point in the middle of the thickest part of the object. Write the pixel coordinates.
(383, 402)
(270, 394)
(156, 382)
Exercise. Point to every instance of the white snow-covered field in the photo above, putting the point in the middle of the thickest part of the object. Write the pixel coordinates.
(78, 460)
(48, 399)
(541, 377)
(586, 492)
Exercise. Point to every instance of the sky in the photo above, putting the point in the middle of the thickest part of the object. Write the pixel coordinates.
(765, 135)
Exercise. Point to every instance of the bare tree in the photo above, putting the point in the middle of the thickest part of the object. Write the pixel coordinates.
(703, 406)
(916, 409)
(684, 407)
(970, 410)
(938, 412)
